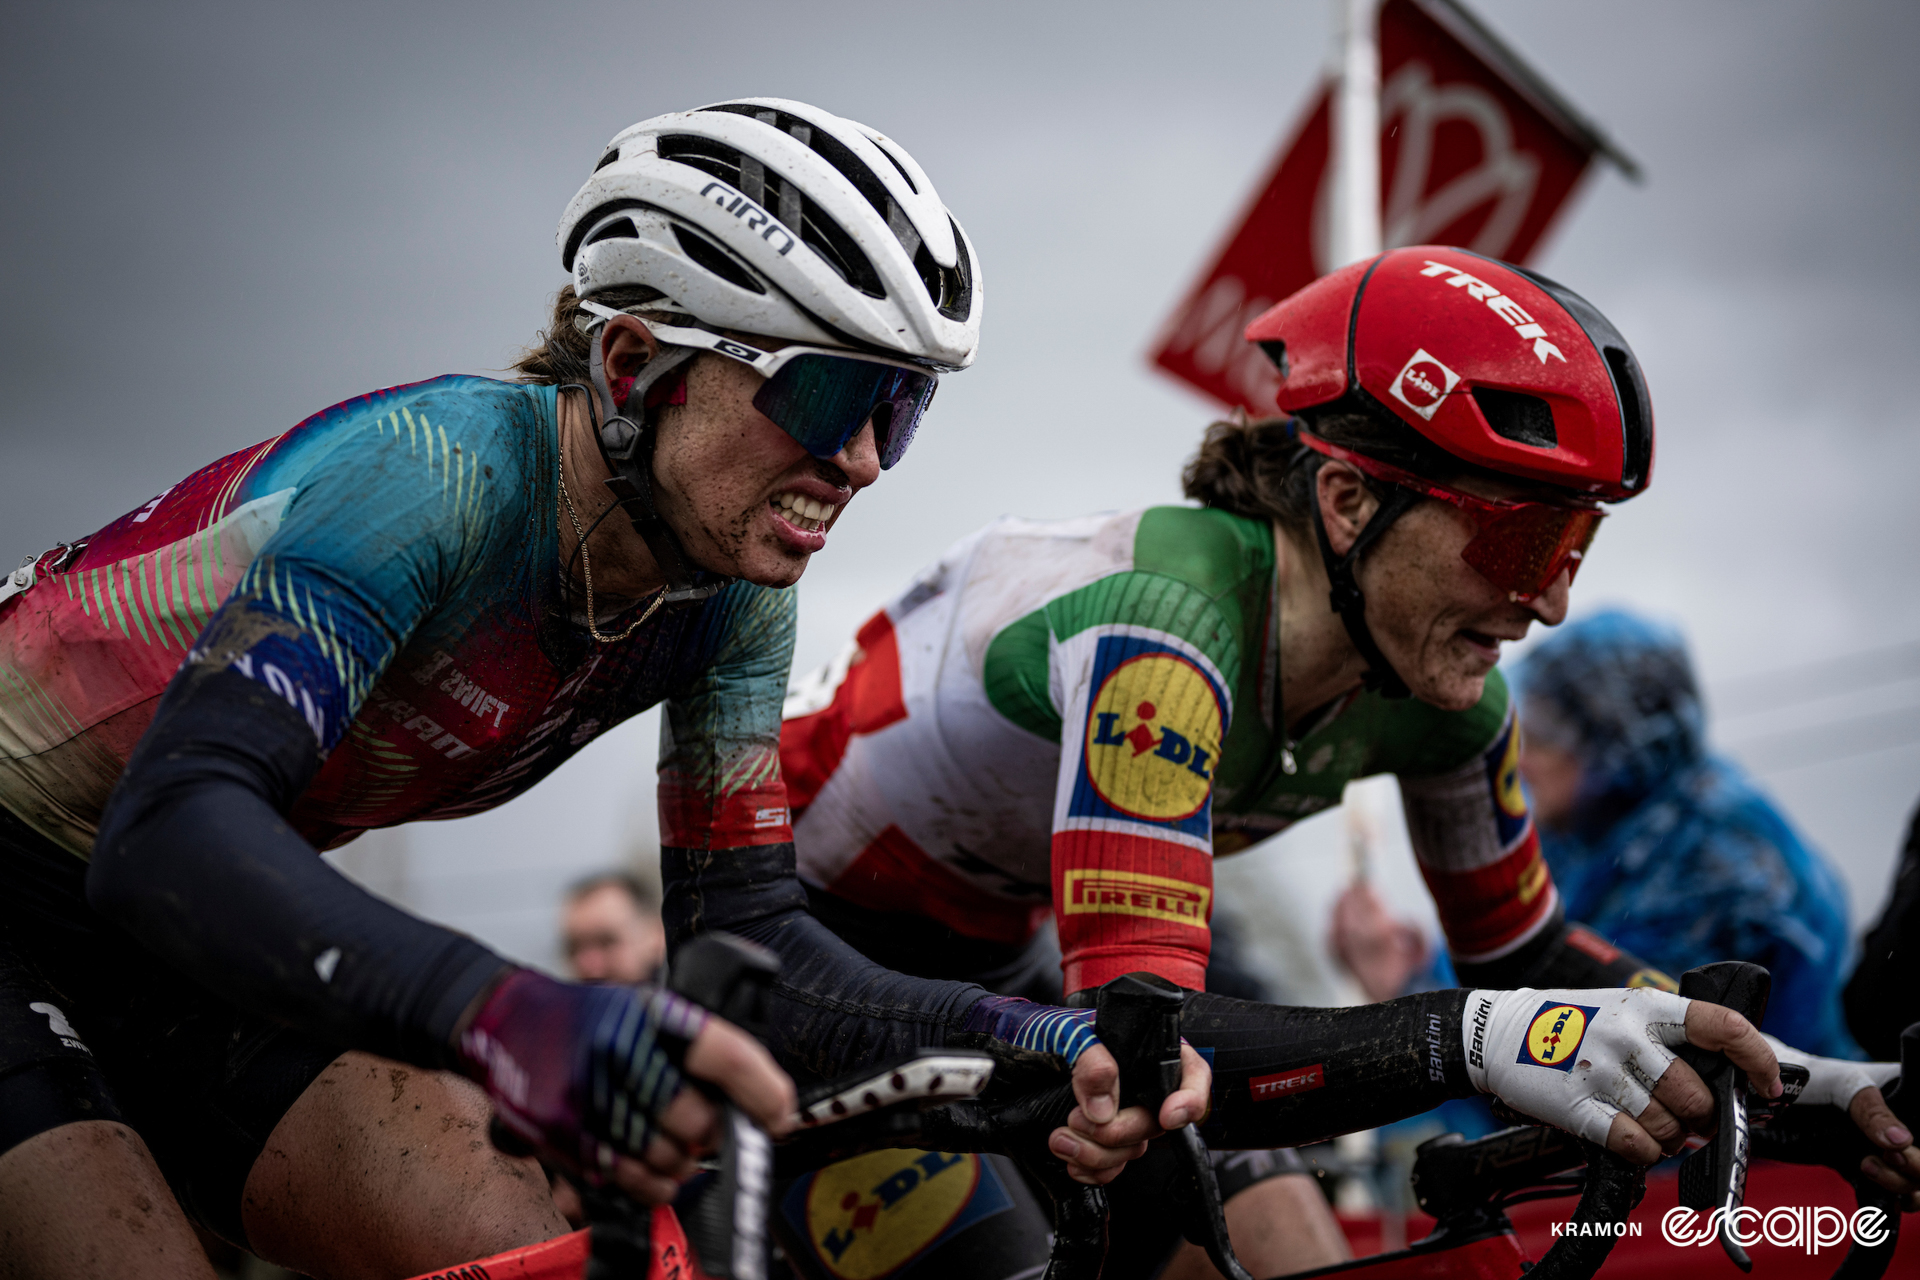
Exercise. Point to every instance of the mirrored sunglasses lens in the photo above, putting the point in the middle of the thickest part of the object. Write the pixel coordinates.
(1523, 551)
(897, 417)
(822, 401)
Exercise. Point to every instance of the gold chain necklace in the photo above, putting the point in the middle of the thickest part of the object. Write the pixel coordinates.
(586, 567)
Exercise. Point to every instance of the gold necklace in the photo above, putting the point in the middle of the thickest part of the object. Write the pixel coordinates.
(586, 567)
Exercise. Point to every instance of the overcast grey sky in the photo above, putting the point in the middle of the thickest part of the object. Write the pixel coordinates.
(223, 217)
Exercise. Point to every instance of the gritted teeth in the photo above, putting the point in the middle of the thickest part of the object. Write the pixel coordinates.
(803, 512)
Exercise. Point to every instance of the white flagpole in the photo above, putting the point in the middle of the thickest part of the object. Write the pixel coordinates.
(1356, 133)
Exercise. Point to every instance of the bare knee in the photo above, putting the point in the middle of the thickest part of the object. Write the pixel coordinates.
(385, 1169)
(86, 1200)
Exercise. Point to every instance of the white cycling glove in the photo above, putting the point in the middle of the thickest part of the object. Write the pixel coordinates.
(1573, 1059)
(1833, 1081)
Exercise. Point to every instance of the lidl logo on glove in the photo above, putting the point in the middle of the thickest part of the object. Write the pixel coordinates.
(1553, 1038)
(1152, 736)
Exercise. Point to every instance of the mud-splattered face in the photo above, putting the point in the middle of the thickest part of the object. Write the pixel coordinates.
(1437, 621)
(746, 499)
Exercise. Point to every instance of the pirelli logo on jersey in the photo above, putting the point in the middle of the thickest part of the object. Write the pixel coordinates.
(1152, 736)
(1134, 893)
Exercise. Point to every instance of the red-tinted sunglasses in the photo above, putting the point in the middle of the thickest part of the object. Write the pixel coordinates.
(1520, 547)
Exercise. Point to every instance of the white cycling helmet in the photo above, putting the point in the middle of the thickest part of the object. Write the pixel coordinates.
(772, 217)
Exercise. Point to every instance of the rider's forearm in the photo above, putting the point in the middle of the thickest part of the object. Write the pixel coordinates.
(1283, 1076)
(831, 1010)
(195, 859)
(1564, 955)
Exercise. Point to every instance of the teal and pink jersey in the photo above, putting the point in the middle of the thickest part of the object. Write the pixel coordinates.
(389, 569)
(1072, 718)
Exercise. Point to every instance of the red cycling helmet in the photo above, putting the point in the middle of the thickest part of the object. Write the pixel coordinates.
(1503, 369)
(1500, 367)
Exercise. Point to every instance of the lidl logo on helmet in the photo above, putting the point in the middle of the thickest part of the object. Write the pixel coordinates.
(1554, 1036)
(1423, 384)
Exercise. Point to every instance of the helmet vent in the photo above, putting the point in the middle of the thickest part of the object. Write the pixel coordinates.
(618, 229)
(951, 288)
(904, 175)
(817, 231)
(715, 259)
(1517, 416)
(851, 167)
(1277, 352)
(607, 159)
(1638, 431)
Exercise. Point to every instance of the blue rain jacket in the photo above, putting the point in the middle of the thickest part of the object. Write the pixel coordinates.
(1673, 853)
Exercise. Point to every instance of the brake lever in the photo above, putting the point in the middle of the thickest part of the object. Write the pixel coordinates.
(727, 1227)
(1715, 1176)
(1138, 1019)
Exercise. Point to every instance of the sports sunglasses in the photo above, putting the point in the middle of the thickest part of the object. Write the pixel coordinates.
(1520, 547)
(822, 396)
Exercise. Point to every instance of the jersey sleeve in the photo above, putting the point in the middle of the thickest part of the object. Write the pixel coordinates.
(1474, 836)
(727, 859)
(194, 855)
(1144, 693)
(720, 784)
(376, 533)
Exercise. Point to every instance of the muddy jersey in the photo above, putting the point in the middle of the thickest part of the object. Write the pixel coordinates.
(1071, 718)
(388, 568)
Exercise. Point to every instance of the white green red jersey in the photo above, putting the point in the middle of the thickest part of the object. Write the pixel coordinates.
(1074, 716)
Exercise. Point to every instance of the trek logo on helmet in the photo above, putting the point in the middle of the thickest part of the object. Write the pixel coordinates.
(1501, 305)
(1423, 384)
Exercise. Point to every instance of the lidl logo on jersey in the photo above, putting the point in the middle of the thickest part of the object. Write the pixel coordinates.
(1502, 761)
(870, 1216)
(1133, 893)
(1554, 1036)
(1152, 736)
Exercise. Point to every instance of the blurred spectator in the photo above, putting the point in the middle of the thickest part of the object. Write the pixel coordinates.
(1882, 997)
(611, 929)
(1664, 849)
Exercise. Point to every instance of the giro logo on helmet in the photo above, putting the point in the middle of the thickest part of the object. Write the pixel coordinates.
(1423, 383)
(1501, 305)
(756, 218)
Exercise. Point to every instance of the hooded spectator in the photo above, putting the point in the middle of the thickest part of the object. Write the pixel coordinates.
(1666, 849)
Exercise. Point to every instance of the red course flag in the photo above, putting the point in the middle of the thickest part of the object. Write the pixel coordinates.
(1476, 151)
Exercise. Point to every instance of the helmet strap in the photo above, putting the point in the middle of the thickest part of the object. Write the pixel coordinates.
(626, 445)
(1345, 595)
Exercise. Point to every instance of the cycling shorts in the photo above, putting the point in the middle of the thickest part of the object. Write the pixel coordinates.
(93, 1027)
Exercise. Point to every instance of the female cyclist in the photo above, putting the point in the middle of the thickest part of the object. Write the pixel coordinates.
(415, 605)
(1070, 719)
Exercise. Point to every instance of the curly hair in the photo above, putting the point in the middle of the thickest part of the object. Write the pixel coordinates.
(1258, 467)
